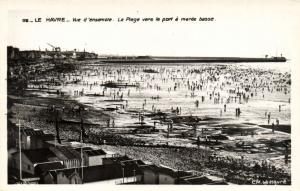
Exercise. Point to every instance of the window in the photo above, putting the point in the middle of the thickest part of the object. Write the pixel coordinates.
(28, 167)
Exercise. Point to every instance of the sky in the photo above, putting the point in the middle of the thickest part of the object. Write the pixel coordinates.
(240, 28)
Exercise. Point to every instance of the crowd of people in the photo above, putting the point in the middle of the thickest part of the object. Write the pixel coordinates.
(188, 90)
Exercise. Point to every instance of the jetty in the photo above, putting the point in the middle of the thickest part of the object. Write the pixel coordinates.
(151, 59)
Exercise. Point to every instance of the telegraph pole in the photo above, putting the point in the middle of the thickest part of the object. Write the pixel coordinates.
(20, 149)
(81, 157)
(57, 128)
(81, 141)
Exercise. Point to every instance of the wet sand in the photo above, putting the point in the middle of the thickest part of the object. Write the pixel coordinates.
(143, 99)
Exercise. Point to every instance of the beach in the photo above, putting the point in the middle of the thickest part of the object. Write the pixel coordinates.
(185, 116)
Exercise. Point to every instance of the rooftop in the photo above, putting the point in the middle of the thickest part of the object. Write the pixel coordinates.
(44, 167)
(197, 180)
(47, 137)
(117, 159)
(166, 171)
(95, 152)
(39, 155)
(31, 132)
(65, 153)
(96, 173)
(84, 149)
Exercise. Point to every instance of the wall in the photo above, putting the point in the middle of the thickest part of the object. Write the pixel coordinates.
(75, 179)
(149, 177)
(166, 179)
(47, 179)
(62, 178)
(95, 160)
(27, 166)
(117, 181)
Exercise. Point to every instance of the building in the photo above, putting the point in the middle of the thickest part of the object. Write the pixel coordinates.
(27, 138)
(111, 173)
(27, 178)
(56, 53)
(35, 139)
(195, 179)
(12, 53)
(70, 157)
(42, 168)
(31, 158)
(94, 157)
(152, 174)
(84, 55)
(30, 54)
(115, 159)
(62, 176)
(31, 138)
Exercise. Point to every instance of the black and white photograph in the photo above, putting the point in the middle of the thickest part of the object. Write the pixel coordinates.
(198, 93)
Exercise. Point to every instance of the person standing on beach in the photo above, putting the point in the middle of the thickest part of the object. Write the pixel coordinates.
(239, 112)
(279, 108)
(197, 103)
(177, 110)
(108, 122)
(277, 122)
(113, 123)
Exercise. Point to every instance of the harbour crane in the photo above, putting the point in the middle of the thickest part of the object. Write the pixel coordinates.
(55, 48)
